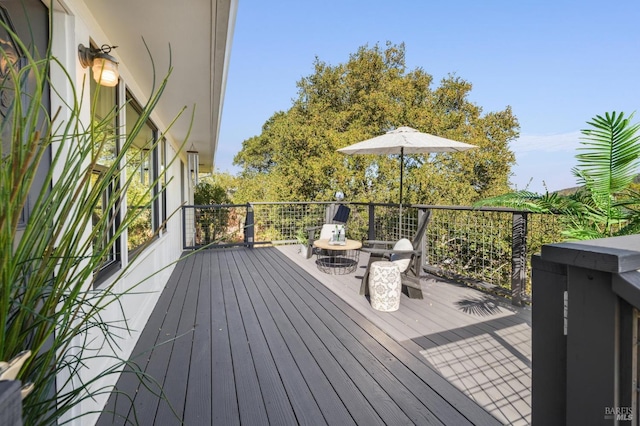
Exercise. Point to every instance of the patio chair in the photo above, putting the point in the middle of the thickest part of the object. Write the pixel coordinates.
(405, 253)
(335, 215)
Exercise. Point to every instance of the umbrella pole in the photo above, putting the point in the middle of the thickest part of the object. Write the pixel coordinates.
(401, 173)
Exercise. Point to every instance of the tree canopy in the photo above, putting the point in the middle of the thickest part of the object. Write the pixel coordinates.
(295, 157)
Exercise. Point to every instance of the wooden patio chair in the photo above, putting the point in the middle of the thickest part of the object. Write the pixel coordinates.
(405, 253)
(335, 215)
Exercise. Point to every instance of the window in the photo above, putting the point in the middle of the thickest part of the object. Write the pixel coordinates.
(142, 176)
(105, 214)
(163, 182)
(140, 183)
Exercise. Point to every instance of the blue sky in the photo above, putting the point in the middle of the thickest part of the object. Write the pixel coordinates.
(557, 63)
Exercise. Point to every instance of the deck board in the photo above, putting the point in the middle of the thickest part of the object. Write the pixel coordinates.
(332, 372)
(373, 379)
(308, 325)
(224, 406)
(437, 391)
(260, 336)
(465, 335)
(119, 406)
(308, 388)
(176, 377)
(146, 402)
(250, 401)
(198, 394)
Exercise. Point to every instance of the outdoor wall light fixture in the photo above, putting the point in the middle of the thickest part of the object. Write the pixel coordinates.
(104, 66)
(193, 160)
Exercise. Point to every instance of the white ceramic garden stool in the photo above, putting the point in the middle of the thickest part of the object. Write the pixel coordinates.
(385, 286)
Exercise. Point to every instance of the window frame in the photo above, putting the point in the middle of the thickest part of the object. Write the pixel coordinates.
(114, 264)
(115, 260)
(154, 144)
(163, 184)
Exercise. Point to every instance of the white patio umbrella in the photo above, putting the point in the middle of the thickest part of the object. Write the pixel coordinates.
(405, 140)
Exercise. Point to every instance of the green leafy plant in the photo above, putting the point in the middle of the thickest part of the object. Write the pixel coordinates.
(211, 222)
(49, 261)
(302, 236)
(605, 204)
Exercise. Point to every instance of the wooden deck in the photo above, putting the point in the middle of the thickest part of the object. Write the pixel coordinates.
(260, 336)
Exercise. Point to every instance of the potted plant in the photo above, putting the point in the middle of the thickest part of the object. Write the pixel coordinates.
(303, 243)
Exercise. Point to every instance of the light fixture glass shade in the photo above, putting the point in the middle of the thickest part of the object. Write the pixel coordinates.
(193, 160)
(105, 72)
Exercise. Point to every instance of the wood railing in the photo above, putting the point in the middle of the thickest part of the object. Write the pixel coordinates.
(585, 332)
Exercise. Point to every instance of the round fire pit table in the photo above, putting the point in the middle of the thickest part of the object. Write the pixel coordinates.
(337, 259)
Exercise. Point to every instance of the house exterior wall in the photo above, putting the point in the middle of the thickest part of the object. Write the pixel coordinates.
(151, 268)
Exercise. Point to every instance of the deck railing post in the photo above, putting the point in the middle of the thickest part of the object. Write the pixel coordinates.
(423, 242)
(548, 342)
(249, 227)
(184, 227)
(584, 332)
(188, 227)
(518, 257)
(372, 222)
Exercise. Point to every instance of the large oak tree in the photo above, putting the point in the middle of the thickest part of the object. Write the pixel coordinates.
(295, 158)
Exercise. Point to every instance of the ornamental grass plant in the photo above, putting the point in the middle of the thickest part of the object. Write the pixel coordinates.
(49, 258)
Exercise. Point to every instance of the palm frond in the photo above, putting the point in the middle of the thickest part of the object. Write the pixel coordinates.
(524, 200)
(609, 157)
(579, 233)
(605, 205)
(538, 203)
(632, 226)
